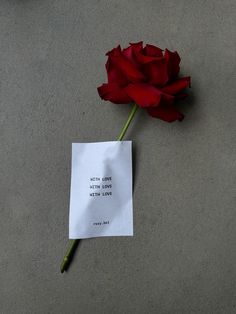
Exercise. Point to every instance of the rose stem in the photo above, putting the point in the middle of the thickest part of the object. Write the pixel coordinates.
(125, 127)
(74, 243)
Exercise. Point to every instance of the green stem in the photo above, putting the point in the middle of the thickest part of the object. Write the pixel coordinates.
(74, 243)
(130, 118)
(69, 255)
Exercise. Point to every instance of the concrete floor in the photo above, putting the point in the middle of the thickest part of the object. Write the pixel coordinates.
(182, 259)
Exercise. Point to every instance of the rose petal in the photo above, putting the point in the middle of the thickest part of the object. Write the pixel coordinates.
(181, 96)
(136, 54)
(157, 72)
(152, 51)
(139, 53)
(114, 52)
(141, 58)
(177, 86)
(128, 53)
(143, 94)
(114, 74)
(137, 47)
(166, 113)
(114, 93)
(173, 61)
(130, 70)
(167, 100)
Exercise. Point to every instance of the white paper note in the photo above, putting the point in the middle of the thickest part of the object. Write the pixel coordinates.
(101, 190)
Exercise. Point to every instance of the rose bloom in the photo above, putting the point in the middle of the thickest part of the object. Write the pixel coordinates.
(147, 76)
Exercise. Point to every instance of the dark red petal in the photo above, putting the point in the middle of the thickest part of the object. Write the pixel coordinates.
(114, 93)
(141, 58)
(137, 53)
(152, 51)
(173, 61)
(137, 47)
(128, 53)
(114, 52)
(167, 100)
(114, 74)
(157, 72)
(166, 113)
(177, 86)
(181, 96)
(128, 68)
(131, 51)
(143, 94)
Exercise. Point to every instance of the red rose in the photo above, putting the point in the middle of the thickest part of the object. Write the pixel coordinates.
(147, 76)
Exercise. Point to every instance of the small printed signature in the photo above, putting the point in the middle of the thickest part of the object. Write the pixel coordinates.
(100, 223)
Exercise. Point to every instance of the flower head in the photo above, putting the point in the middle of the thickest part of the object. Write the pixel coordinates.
(147, 76)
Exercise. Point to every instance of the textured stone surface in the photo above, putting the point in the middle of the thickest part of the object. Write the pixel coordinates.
(182, 257)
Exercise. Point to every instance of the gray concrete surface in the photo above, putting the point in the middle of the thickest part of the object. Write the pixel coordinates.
(182, 258)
